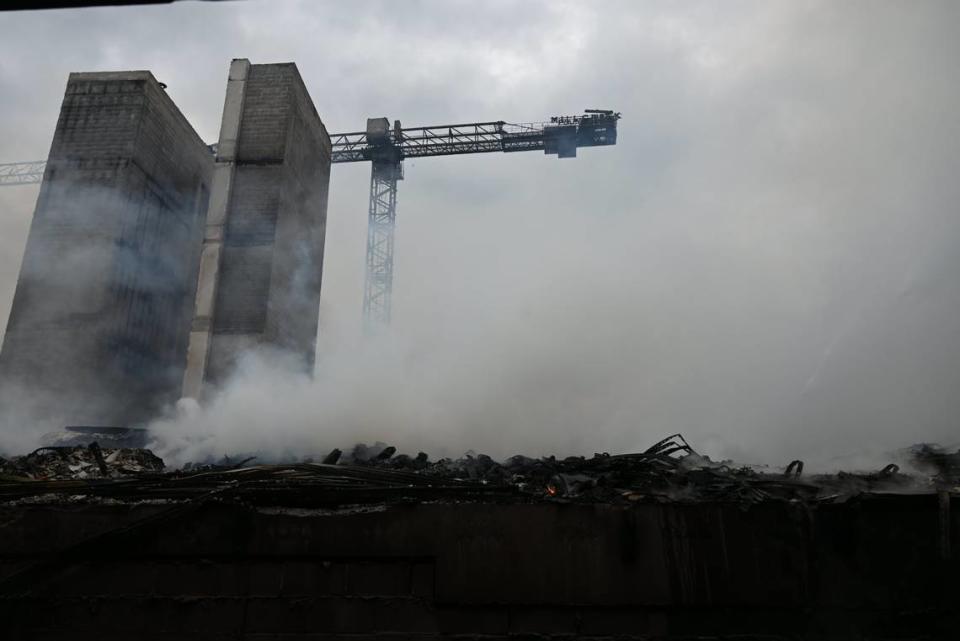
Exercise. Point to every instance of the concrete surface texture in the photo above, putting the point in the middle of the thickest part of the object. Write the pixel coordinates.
(98, 330)
(266, 290)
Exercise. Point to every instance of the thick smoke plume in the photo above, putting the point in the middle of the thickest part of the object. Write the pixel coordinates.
(765, 262)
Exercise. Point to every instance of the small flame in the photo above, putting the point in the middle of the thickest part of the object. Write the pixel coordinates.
(552, 490)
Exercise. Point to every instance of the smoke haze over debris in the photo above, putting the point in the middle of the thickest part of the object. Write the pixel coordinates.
(765, 261)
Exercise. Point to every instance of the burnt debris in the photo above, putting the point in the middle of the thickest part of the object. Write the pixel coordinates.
(80, 462)
(669, 471)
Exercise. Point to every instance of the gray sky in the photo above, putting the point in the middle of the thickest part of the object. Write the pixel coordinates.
(765, 261)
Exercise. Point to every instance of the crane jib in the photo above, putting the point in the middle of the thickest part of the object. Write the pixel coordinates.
(561, 136)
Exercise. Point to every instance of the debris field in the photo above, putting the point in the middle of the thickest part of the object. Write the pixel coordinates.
(669, 471)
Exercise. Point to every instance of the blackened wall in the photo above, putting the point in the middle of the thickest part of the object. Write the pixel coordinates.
(100, 319)
(871, 568)
(270, 275)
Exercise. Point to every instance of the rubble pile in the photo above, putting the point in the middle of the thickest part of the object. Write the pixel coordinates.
(80, 462)
(669, 471)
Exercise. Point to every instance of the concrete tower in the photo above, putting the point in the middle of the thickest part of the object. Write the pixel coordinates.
(150, 264)
(98, 330)
(262, 261)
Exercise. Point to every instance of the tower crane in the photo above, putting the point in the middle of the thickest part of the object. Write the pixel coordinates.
(386, 147)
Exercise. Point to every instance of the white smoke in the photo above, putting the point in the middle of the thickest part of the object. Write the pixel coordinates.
(765, 261)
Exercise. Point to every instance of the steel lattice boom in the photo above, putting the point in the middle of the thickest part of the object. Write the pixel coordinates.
(22, 173)
(561, 136)
(385, 148)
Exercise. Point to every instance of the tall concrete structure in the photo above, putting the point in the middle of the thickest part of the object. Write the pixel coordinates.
(151, 265)
(262, 255)
(98, 330)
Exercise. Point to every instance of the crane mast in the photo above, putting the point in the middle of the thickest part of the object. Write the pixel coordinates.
(386, 147)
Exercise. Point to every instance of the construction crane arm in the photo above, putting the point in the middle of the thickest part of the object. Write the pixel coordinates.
(414, 142)
(22, 173)
(561, 136)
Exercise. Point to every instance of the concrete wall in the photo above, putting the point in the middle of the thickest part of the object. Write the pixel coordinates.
(267, 290)
(871, 568)
(99, 325)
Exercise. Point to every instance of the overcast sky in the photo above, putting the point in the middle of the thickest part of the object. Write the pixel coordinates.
(766, 261)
